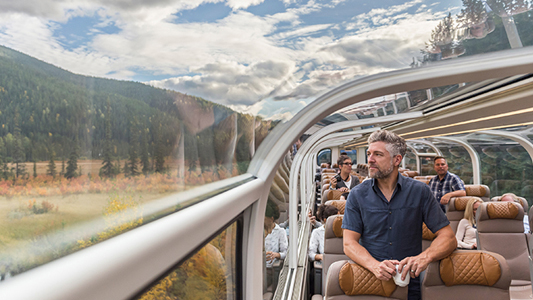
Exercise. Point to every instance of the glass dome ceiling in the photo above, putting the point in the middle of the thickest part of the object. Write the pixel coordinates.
(266, 58)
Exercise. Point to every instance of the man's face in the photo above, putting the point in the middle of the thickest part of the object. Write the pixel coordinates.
(380, 162)
(441, 167)
(346, 165)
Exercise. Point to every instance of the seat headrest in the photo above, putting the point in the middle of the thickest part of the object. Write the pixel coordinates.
(502, 210)
(476, 190)
(356, 280)
(334, 195)
(427, 234)
(522, 200)
(334, 227)
(459, 203)
(335, 166)
(475, 268)
(323, 165)
(339, 204)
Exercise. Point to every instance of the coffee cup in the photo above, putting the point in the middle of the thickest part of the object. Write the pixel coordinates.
(398, 278)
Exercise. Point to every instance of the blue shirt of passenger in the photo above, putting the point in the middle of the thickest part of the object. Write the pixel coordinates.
(450, 183)
(392, 230)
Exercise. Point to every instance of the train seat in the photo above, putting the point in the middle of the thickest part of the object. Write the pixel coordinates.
(411, 174)
(501, 229)
(339, 204)
(333, 245)
(456, 210)
(478, 190)
(347, 280)
(467, 274)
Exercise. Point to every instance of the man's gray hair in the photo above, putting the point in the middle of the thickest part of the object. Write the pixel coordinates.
(395, 144)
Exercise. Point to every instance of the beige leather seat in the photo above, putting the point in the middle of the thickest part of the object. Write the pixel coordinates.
(456, 210)
(478, 190)
(346, 280)
(339, 204)
(331, 195)
(467, 274)
(333, 245)
(501, 229)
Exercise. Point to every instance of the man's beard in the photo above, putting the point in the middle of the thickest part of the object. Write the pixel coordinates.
(382, 174)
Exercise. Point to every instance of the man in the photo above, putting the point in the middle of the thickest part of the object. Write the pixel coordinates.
(445, 185)
(384, 215)
(344, 181)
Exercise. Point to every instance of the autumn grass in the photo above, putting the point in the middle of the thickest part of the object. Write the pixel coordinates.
(16, 229)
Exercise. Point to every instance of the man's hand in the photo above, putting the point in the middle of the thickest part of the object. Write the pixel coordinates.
(414, 265)
(384, 270)
(445, 199)
(272, 255)
(318, 257)
(474, 246)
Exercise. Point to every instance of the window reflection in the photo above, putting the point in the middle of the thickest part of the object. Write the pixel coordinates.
(211, 273)
(459, 162)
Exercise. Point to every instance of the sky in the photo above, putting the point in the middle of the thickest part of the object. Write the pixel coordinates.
(264, 57)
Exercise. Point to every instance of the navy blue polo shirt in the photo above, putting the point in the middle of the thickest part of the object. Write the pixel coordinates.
(392, 230)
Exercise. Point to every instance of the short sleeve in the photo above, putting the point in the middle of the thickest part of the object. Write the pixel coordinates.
(352, 214)
(433, 215)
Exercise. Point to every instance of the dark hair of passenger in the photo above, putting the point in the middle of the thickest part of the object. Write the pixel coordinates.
(272, 210)
(341, 159)
(394, 143)
(438, 157)
(325, 211)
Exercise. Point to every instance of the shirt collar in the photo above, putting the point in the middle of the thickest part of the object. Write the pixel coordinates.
(400, 183)
(445, 176)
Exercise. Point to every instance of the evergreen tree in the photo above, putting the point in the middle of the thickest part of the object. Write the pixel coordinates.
(107, 168)
(72, 163)
(62, 166)
(18, 155)
(126, 168)
(145, 158)
(134, 145)
(159, 156)
(34, 169)
(52, 165)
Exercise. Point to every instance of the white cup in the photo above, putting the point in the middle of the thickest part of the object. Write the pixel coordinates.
(398, 278)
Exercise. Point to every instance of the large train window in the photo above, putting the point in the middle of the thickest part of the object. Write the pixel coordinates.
(324, 156)
(352, 154)
(506, 167)
(211, 273)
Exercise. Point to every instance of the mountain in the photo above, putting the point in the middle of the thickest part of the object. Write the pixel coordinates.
(45, 109)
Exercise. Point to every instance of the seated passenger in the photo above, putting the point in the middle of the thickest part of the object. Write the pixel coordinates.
(344, 181)
(275, 237)
(510, 197)
(466, 230)
(316, 244)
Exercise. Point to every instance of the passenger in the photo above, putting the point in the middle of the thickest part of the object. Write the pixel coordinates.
(275, 237)
(383, 217)
(466, 230)
(445, 185)
(343, 181)
(510, 197)
(316, 243)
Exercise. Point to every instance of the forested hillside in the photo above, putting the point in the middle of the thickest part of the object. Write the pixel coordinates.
(47, 113)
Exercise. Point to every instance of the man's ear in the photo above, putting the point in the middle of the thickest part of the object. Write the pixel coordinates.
(398, 160)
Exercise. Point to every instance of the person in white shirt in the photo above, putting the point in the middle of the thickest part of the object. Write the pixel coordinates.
(275, 237)
(316, 243)
(510, 197)
(466, 230)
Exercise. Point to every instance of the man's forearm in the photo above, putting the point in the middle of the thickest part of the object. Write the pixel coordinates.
(359, 254)
(458, 193)
(442, 246)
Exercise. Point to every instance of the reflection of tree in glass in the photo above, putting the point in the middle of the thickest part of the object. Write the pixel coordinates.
(475, 19)
(506, 8)
(446, 39)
